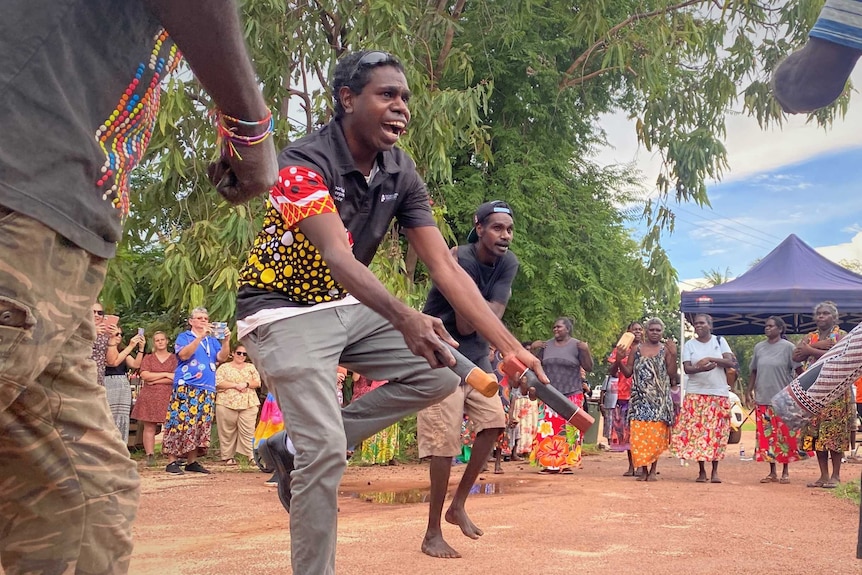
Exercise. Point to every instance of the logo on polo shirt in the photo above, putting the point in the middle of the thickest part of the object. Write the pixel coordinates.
(388, 197)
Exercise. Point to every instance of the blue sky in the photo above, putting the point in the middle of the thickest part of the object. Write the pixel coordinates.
(817, 199)
(796, 178)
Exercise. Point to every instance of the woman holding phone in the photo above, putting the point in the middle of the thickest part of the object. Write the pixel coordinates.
(117, 385)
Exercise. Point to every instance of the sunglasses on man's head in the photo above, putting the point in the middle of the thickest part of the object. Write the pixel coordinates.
(370, 59)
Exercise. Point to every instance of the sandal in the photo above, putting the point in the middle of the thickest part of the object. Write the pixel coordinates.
(230, 461)
(769, 479)
(831, 484)
(701, 479)
(815, 484)
(784, 480)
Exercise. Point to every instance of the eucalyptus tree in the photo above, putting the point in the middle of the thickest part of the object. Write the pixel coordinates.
(508, 96)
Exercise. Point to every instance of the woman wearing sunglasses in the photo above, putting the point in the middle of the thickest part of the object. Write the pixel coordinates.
(237, 404)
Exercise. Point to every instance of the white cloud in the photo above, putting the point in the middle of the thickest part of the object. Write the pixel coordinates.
(750, 150)
(851, 250)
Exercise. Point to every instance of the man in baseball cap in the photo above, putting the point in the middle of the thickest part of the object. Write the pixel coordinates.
(490, 264)
(482, 213)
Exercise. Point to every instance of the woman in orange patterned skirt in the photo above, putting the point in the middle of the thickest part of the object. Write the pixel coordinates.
(652, 367)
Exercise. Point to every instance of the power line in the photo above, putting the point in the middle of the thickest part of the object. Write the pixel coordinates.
(768, 236)
(727, 230)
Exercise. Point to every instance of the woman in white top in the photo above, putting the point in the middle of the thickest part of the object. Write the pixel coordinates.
(703, 427)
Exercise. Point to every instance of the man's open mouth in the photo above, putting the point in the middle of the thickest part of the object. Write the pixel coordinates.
(396, 128)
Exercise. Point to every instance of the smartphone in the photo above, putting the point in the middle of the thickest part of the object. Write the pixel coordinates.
(141, 331)
(112, 319)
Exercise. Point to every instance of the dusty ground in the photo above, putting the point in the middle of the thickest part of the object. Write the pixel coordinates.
(595, 522)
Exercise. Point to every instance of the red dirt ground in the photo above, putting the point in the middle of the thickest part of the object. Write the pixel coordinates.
(595, 522)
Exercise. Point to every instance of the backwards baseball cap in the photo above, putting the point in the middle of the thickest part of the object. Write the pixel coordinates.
(485, 210)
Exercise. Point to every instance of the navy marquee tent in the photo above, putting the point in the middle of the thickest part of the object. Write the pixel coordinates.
(788, 283)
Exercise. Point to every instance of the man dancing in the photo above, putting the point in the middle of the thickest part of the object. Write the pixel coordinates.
(492, 267)
(307, 301)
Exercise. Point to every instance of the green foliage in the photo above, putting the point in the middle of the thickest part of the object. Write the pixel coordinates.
(507, 101)
(848, 490)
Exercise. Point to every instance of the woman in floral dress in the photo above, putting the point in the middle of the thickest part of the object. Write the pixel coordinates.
(652, 366)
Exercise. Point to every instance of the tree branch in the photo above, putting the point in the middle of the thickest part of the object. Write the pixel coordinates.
(581, 60)
(448, 37)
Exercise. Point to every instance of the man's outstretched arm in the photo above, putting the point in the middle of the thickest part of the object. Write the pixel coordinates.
(209, 35)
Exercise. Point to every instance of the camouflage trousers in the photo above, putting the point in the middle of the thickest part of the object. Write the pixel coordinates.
(68, 489)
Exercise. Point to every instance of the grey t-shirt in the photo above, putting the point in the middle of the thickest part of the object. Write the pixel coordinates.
(79, 90)
(562, 365)
(775, 368)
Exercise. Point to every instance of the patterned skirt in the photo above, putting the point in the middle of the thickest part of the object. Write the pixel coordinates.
(619, 438)
(703, 428)
(649, 439)
(830, 431)
(189, 420)
(527, 416)
(557, 444)
(776, 443)
(380, 448)
(120, 402)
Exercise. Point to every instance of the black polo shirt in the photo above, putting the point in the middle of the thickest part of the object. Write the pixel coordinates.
(317, 175)
(494, 283)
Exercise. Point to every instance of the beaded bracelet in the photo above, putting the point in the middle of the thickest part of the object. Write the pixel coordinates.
(229, 135)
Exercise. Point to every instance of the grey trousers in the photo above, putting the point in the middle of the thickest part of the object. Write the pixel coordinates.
(297, 359)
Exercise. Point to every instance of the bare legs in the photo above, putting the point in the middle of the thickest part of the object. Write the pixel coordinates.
(648, 473)
(713, 478)
(773, 475)
(149, 438)
(434, 544)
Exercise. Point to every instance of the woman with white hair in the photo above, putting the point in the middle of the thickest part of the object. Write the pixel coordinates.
(829, 434)
(190, 412)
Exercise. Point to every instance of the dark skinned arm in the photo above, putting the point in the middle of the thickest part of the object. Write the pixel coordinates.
(627, 368)
(585, 356)
(670, 358)
(209, 35)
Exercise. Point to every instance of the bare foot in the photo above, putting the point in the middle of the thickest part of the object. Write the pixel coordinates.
(459, 517)
(652, 477)
(714, 479)
(435, 546)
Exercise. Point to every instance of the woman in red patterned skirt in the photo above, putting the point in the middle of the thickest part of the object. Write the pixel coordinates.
(772, 369)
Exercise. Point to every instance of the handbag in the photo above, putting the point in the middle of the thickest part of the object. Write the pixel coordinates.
(731, 373)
